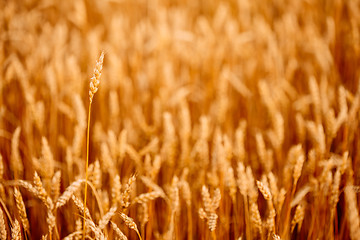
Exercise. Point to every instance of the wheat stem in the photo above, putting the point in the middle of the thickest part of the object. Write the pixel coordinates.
(86, 166)
(138, 234)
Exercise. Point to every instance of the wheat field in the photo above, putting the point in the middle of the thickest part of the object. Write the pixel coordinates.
(159, 119)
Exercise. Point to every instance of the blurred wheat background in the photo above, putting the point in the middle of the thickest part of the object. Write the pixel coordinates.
(213, 119)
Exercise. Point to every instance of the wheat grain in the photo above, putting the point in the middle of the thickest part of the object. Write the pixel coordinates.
(50, 220)
(106, 218)
(95, 174)
(215, 203)
(83, 210)
(342, 116)
(126, 193)
(55, 185)
(264, 191)
(298, 217)
(22, 210)
(16, 163)
(78, 229)
(335, 193)
(255, 217)
(95, 80)
(251, 189)
(212, 218)
(146, 197)
(130, 223)
(3, 232)
(261, 149)
(74, 235)
(168, 150)
(47, 159)
(352, 213)
(174, 194)
(16, 231)
(202, 213)
(41, 192)
(206, 198)
(151, 184)
(118, 232)
(116, 191)
(276, 237)
(230, 182)
(68, 193)
(298, 168)
(281, 199)
(300, 195)
(96, 230)
(315, 94)
(186, 192)
(273, 185)
(242, 179)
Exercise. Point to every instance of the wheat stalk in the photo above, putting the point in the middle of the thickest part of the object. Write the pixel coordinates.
(94, 84)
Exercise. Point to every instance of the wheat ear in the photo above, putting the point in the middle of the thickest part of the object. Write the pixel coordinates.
(3, 232)
(22, 210)
(16, 231)
(94, 84)
(130, 223)
(118, 232)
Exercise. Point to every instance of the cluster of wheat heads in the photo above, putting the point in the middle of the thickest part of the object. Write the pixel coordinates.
(233, 119)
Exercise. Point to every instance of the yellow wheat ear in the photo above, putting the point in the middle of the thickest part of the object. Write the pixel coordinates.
(94, 85)
(95, 80)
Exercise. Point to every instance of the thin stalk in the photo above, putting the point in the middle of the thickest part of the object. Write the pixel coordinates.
(288, 211)
(247, 220)
(138, 234)
(189, 223)
(86, 166)
(6, 212)
(213, 235)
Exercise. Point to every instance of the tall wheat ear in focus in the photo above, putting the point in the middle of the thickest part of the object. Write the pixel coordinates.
(94, 86)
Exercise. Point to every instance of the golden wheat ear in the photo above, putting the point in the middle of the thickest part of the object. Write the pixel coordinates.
(94, 85)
